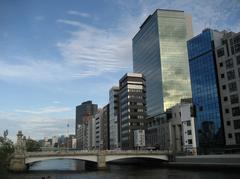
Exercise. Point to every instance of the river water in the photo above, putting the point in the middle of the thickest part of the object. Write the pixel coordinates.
(73, 169)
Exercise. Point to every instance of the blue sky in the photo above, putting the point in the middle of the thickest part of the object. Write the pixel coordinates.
(56, 54)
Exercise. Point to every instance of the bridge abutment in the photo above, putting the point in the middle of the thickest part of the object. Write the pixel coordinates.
(17, 164)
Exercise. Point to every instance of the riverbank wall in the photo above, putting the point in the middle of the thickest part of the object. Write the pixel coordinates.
(226, 161)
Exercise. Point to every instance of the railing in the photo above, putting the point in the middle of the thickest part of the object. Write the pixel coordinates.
(95, 152)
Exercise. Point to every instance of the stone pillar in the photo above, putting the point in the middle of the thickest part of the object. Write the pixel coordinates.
(101, 160)
(17, 162)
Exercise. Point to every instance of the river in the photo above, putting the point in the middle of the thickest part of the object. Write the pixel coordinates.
(73, 169)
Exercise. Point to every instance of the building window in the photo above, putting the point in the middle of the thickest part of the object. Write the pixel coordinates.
(236, 111)
(236, 124)
(229, 135)
(223, 87)
(221, 64)
(228, 123)
(225, 98)
(189, 141)
(232, 86)
(231, 75)
(222, 75)
(237, 137)
(234, 99)
(238, 60)
(226, 110)
(189, 132)
(229, 63)
(188, 123)
(220, 52)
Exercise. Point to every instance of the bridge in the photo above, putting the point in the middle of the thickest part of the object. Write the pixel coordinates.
(21, 159)
(21, 162)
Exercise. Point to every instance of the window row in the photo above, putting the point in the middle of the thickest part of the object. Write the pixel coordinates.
(229, 62)
(231, 86)
(234, 99)
(235, 111)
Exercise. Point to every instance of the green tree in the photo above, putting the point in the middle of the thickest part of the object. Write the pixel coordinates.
(32, 145)
(6, 150)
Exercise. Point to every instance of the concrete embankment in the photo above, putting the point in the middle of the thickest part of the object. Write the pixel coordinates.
(227, 161)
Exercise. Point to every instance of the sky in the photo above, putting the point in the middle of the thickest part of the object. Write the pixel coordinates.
(56, 54)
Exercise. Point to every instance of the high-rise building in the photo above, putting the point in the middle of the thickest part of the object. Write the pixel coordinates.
(84, 138)
(87, 108)
(160, 54)
(113, 117)
(205, 91)
(228, 66)
(132, 105)
(98, 119)
(105, 128)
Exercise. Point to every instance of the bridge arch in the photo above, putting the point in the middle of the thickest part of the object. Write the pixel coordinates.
(110, 158)
(29, 160)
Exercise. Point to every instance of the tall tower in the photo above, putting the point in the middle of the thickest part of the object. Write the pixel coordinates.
(205, 91)
(160, 54)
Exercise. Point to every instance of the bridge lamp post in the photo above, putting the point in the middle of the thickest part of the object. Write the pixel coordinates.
(67, 136)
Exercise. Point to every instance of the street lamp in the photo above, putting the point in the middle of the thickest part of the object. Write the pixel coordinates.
(67, 135)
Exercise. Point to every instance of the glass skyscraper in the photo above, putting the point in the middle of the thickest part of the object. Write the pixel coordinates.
(205, 93)
(160, 54)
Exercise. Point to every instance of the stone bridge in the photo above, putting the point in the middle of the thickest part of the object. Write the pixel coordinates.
(20, 163)
(22, 159)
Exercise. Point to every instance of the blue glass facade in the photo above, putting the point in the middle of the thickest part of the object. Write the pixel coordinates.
(205, 92)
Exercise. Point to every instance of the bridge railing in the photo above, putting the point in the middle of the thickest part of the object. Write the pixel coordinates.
(96, 152)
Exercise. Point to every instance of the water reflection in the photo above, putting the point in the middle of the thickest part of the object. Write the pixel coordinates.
(74, 169)
(60, 164)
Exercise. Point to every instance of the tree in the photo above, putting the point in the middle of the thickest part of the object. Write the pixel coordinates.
(6, 150)
(32, 145)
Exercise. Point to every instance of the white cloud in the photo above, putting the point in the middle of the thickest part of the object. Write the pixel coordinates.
(82, 14)
(44, 110)
(97, 50)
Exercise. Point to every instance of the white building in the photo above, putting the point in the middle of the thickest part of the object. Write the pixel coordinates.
(74, 143)
(54, 141)
(183, 137)
(228, 68)
(139, 138)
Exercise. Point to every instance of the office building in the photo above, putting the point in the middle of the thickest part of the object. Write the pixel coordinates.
(160, 54)
(85, 110)
(114, 117)
(98, 119)
(205, 92)
(228, 66)
(105, 128)
(84, 137)
(132, 105)
(157, 132)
